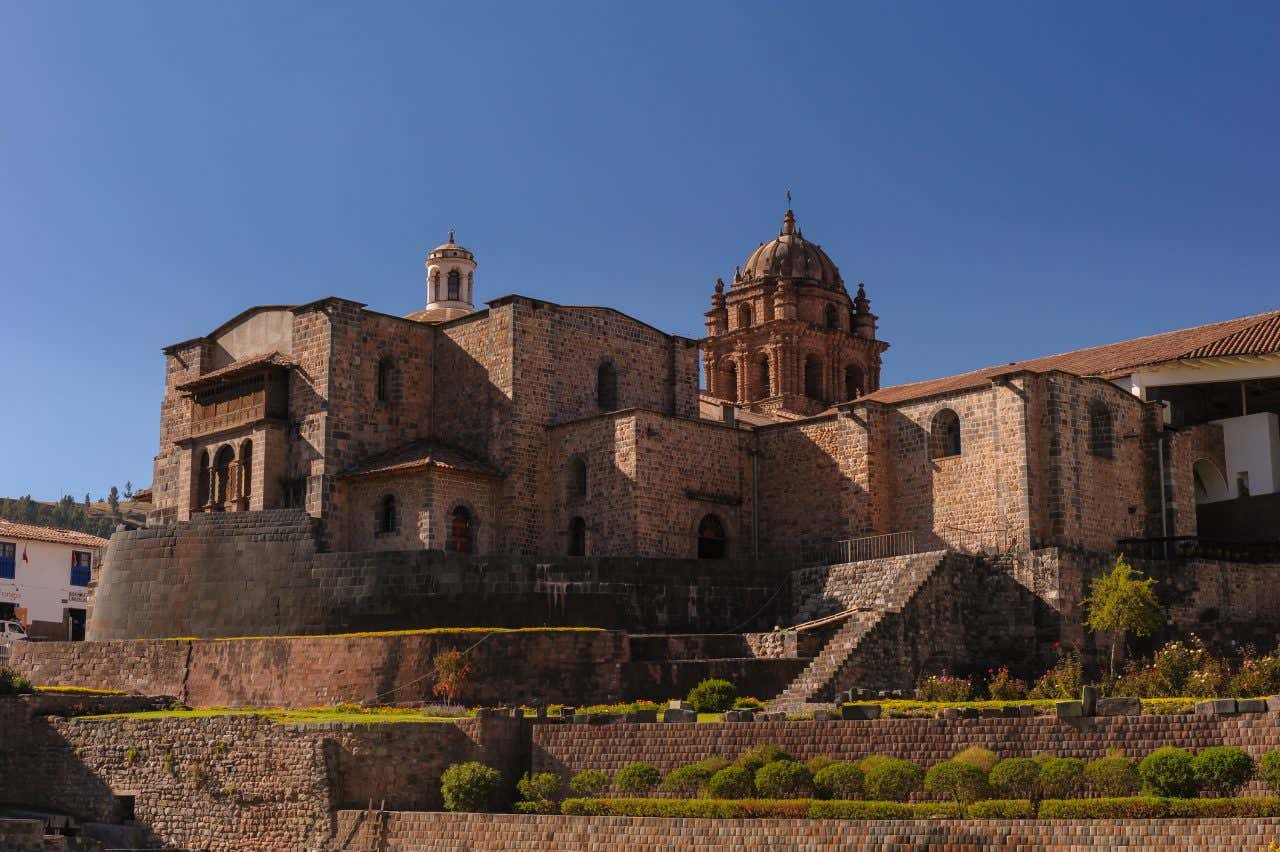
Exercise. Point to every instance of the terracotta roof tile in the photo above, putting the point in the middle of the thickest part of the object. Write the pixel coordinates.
(30, 532)
(265, 359)
(1252, 335)
(420, 454)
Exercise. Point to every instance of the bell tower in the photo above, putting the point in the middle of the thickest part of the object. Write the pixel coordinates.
(450, 281)
(785, 337)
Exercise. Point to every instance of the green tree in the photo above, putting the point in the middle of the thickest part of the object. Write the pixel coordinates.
(1120, 602)
(86, 499)
(113, 499)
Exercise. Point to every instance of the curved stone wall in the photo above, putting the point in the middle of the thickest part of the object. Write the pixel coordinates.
(262, 574)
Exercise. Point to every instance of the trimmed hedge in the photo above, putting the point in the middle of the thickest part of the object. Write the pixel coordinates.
(641, 777)
(1168, 771)
(759, 808)
(1155, 807)
(1001, 809)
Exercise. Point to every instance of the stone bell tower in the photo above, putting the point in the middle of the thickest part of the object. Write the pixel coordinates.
(450, 279)
(786, 337)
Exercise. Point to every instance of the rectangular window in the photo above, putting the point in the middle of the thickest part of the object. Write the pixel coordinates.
(8, 551)
(81, 563)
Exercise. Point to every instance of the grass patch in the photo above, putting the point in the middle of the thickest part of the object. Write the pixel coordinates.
(423, 631)
(347, 713)
(78, 690)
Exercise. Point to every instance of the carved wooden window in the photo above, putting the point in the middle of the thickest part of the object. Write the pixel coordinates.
(387, 512)
(81, 567)
(744, 316)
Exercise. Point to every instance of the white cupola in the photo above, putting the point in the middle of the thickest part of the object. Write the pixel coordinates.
(450, 279)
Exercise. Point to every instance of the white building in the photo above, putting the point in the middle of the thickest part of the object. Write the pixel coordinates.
(44, 578)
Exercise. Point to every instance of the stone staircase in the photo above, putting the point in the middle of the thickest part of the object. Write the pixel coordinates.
(885, 590)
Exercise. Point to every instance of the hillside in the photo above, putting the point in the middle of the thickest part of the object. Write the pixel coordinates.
(95, 518)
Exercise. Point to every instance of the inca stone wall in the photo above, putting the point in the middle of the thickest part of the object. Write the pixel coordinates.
(260, 573)
(419, 832)
(571, 748)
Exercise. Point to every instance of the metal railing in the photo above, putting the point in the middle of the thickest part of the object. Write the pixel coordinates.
(858, 549)
(1192, 547)
(990, 541)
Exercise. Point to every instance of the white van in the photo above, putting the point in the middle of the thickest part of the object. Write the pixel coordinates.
(12, 631)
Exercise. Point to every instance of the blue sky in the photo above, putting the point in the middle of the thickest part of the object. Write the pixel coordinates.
(1009, 179)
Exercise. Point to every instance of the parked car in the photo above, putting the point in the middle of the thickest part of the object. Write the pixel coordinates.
(12, 631)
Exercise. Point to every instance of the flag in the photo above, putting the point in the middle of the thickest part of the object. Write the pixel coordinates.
(24, 553)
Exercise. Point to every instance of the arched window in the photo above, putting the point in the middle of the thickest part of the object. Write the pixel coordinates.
(202, 495)
(221, 475)
(455, 285)
(387, 520)
(762, 378)
(607, 386)
(711, 538)
(577, 478)
(832, 317)
(744, 316)
(944, 434)
(246, 468)
(854, 383)
(730, 381)
(813, 377)
(460, 531)
(1101, 437)
(577, 537)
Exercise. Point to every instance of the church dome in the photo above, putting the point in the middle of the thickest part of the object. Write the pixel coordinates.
(450, 250)
(790, 255)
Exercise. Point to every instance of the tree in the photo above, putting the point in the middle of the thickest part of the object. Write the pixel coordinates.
(86, 499)
(113, 499)
(1120, 602)
(452, 670)
(128, 490)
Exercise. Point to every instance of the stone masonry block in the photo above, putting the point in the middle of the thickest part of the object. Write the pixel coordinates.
(1118, 706)
(1069, 709)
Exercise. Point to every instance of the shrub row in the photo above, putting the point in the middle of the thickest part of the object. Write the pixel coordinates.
(1133, 807)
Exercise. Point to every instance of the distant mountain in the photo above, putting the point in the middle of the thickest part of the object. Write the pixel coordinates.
(68, 514)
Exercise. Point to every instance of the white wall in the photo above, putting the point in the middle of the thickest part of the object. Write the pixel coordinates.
(1253, 445)
(42, 585)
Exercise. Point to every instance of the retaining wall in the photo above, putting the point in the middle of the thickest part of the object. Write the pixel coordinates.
(262, 573)
(418, 832)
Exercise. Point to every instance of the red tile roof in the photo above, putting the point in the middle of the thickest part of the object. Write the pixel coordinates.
(266, 359)
(420, 454)
(1252, 335)
(30, 532)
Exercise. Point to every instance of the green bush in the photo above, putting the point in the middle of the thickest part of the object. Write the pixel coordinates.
(1017, 778)
(1060, 777)
(1001, 809)
(541, 806)
(893, 779)
(962, 782)
(869, 762)
(712, 808)
(13, 682)
(688, 780)
(543, 787)
(469, 786)
(1063, 681)
(983, 758)
(819, 809)
(748, 703)
(1222, 769)
(1269, 769)
(589, 784)
(712, 696)
(732, 782)
(1113, 777)
(637, 778)
(819, 763)
(755, 758)
(784, 779)
(839, 779)
(1168, 771)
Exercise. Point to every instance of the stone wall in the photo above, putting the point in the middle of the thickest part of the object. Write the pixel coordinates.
(568, 666)
(237, 782)
(259, 573)
(572, 748)
(419, 832)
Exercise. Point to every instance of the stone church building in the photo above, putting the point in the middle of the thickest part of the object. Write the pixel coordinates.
(530, 428)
